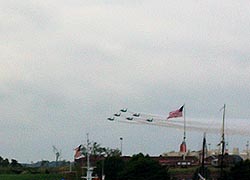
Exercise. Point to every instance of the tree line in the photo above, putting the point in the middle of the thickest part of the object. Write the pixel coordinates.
(142, 167)
(139, 167)
(6, 163)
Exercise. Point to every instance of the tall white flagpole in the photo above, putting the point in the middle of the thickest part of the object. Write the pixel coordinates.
(223, 140)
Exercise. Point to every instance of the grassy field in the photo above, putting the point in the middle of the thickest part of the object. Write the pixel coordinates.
(30, 177)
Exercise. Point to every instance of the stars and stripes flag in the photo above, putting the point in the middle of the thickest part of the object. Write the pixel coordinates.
(78, 152)
(176, 113)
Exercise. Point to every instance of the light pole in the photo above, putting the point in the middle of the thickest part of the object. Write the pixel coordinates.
(121, 144)
(247, 145)
(209, 144)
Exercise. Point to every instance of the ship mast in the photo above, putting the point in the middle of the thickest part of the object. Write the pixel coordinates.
(89, 169)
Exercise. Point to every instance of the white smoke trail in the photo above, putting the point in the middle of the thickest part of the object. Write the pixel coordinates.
(191, 125)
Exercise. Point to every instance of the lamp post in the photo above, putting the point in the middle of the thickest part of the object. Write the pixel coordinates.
(209, 144)
(247, 145)
(121, 139)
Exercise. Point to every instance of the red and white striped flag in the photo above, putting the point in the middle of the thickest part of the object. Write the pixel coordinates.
(78, 153)
(176, 113)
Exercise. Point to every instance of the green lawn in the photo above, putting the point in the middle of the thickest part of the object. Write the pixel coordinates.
(182, 170)
(30, 176)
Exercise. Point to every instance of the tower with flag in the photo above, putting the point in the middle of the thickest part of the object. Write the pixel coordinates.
(180, 113)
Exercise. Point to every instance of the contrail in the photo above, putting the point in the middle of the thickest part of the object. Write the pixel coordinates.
(191, 125)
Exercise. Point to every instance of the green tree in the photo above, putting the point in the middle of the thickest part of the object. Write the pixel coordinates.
(240, 171)
(142, 167)
(112, 152)
(44, 163)
(1, 161)
(14, 163)
(112, 166)
(5, 163)
(97, 150)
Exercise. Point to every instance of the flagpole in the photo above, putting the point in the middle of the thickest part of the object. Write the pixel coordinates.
(223, 139)
(184, 135)
(184, 117)
(88, 166)
(203, 155)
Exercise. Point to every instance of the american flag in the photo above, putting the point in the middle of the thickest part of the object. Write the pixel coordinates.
(78, 153)
(176, 113)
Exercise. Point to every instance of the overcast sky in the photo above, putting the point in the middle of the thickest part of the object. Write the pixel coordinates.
(68, 65)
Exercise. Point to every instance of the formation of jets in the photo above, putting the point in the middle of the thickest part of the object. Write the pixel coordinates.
(130, 118)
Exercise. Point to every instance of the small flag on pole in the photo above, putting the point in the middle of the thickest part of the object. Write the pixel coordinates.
(176, 113)
(78, 153)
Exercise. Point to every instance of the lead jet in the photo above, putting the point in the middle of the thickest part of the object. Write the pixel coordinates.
(124, 110)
